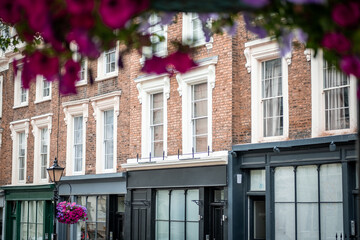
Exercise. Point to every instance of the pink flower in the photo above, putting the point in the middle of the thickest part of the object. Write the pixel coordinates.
(155, 65)
(37, 14)
(346, 14)
(115, 13)
(80, 6)
(86, 46)
(337, 42)
(350, 65)
(67, 83)
(82, 21)
(44, 65)
(10, 11)
(181, 61)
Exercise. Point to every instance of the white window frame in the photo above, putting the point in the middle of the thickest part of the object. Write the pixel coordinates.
(147, 86)
(204, 73)
(318, 100)
(101, 66)
(83, 82)
(38, 123)
(187, 33)
(1, 94)
(147, 50)
(74, 109)
(17, 92)
(101, 103)
(40, 89)
(17, 127)
(256, 52)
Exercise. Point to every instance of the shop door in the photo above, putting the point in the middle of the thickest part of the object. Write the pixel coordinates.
(257, 218)
(217, 225)
(139, 219)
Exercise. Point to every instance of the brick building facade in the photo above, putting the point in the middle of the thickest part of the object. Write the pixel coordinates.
(133, 188)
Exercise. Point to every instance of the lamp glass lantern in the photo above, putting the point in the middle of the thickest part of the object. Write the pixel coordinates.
(55, 172)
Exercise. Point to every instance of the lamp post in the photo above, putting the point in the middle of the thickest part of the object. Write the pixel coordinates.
(55, 173)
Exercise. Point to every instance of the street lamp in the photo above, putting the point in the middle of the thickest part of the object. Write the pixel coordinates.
(55, 173)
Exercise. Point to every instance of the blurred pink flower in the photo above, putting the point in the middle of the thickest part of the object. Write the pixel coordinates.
(44, 65)
(37, 12)
(155, 65)
(115, 13)
(10, 11)
(337, 42)
(181, 61)
(350, 65)
(82, 21)
(80, 6)
(346, 14)
(86, 46)
(71, 76)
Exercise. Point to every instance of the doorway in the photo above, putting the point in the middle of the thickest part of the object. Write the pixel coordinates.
(257, 218)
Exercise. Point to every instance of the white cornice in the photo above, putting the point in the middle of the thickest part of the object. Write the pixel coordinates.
(106, 95)
(76, 102)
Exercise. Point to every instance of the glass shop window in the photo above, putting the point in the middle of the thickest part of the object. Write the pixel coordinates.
(257, 180)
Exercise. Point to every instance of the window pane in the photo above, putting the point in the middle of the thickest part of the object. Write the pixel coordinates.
(177, 230)
(177, 211)
(331, 183)
(157, 100)
(158, 149)
(284, 221)
(192, 231)
(162, 205)
(91, 228)
(101, 217)
(192, 209)
(259, 220)
(307, 184)
(201, 126)
(331, 220)
(257, 180)
(91, 208)
(158, 133)
(200, 91)
(162, 230)
(200, 108)
(307, 221)
(101, 231)
(201, 144)
(157, 117)
(284, 184)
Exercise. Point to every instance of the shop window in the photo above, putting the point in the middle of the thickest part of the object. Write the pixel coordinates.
(257, 180)
(177, 214)
(304, 198)
(32, 220)
(95, 227)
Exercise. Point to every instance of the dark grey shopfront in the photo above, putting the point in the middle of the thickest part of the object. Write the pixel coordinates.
(299, 189)
(182, 203)
(104, 197)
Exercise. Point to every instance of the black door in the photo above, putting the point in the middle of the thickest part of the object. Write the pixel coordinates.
(139, 220)
(257, 218)
(217, 224)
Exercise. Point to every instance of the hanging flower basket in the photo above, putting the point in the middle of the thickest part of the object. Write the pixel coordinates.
(70, 212)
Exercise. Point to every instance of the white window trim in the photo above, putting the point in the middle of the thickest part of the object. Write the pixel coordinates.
(84, 81)
(147, 86)
(101, 75)
(1, 94)
(100, 104)
(37, 123)
(17, 92)
(39, 90)
(73, 109)
(15, 128)
(256, 52)
(1, 131)
(187, 33)
(318, 101)
(204, 73)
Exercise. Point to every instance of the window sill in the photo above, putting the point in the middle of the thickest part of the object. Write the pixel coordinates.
(108, 76)
(43, 100)
(336, 132)
(20, 106)
(271, 139)
(81, 83)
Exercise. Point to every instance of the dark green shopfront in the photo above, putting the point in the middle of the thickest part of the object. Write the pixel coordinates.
(29, 212)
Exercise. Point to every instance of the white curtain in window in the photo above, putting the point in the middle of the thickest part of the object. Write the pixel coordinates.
(272, 98)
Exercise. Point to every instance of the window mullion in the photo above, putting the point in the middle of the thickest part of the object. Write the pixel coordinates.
(169, 213)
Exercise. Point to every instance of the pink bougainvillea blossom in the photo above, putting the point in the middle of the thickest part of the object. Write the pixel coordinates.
(80, 6)
(41, 64)
(10, 11)
(115, 13)
(337, 42)
(155, 65)
(351, 65)
(82, 21)
(85, 45)
(346, 14)
(181, 61)
(71, 76)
